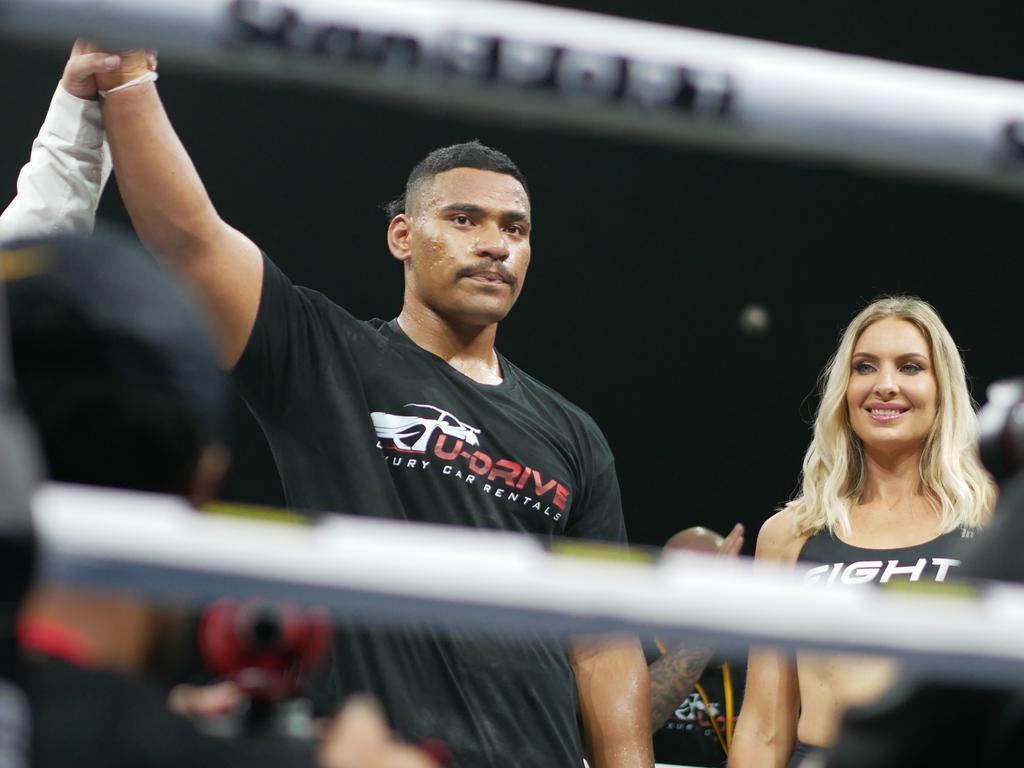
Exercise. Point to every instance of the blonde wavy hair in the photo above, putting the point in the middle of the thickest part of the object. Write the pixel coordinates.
(950, 471)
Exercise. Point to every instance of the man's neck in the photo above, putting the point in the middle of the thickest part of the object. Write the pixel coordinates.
(467, 348)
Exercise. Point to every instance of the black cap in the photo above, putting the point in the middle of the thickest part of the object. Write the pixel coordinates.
(149, 326)
(114, 351)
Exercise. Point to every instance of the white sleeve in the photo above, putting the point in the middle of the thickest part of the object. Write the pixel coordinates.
(60, 187)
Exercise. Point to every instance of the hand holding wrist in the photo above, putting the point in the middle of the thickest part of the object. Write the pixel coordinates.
(79, 78)
(134, 64)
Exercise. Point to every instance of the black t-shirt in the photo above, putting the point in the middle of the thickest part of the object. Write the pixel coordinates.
(363, 421)
(92, 718)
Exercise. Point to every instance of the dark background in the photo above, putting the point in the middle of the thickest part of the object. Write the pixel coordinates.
(644, 255)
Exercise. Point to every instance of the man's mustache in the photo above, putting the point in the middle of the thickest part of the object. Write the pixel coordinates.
(495, 268)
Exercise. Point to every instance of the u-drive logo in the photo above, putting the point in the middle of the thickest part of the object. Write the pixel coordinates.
(446, 444)
(413, 433)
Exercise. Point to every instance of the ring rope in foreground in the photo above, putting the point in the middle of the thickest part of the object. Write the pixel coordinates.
(592, 72)
(387, 571)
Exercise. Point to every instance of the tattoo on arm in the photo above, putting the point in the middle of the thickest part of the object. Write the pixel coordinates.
(673, 676)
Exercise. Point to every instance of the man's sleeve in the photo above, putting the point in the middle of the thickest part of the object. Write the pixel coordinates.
(60, 187)
(597, 511)
(298, 333)
(282, 338)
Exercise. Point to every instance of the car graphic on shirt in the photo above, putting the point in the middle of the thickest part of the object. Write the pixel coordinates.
(413, 433)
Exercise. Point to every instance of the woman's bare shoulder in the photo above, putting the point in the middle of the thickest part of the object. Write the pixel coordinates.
(779, 539)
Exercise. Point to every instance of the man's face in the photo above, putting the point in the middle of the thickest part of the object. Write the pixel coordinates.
(465, 244)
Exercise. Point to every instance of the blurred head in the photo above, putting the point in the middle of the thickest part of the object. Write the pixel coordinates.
(462, 233)
(896, 383)
(114, 367)
(117, 372)
(696, 539)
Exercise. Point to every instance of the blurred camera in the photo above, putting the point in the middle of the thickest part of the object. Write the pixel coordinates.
(1001, 424)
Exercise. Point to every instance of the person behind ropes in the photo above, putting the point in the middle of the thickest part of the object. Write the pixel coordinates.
(58, 192)
(692, 704)
(418, 418)
(891, 484)
(117, 374)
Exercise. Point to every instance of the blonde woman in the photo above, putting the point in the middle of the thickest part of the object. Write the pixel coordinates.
(891, 484)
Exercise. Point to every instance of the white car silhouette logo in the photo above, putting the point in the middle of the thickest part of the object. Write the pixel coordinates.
(400, 429)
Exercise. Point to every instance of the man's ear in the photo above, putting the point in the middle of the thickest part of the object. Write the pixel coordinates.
(211, 466)
(399, 232)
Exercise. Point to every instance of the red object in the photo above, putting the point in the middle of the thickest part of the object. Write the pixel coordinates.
(437, 750)
(55, 639)
(268, 649)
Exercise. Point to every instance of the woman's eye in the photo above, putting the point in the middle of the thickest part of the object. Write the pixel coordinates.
(911, 368)
(863, 368)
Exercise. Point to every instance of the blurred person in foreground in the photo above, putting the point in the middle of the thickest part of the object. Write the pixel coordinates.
(892, 485)
(20, 471)
(694, 694)
(117, 374)
(58, 192)
(923, 721)
(418, 418)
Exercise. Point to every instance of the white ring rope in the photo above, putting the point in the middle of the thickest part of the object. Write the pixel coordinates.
(585, 70)
(386, 571)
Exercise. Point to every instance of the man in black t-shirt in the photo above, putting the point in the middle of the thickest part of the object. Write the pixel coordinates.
(419, 418)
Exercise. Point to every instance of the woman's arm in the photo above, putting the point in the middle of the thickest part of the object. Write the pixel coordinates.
(766, 729)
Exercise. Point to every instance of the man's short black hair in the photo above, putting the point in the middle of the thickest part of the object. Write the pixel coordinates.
(469, 154)
(113, 364)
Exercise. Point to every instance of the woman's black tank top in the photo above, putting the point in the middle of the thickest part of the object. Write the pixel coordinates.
(830, 561)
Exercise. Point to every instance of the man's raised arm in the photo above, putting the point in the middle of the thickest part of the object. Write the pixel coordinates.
(171, 211)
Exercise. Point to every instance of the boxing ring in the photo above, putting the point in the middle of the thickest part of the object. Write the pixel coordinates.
(374, 570)
(591, 73)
